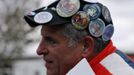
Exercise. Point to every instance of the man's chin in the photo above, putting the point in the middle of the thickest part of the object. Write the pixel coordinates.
(49, 65)
(50, 72)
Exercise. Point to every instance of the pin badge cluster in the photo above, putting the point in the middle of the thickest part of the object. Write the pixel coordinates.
(80, 20)
(43, 17)
(106, 14)
(67, 8)
(109, 30)
(96, 27)
(93, 10)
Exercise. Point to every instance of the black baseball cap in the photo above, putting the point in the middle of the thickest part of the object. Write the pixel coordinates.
(56, 19)
(93, 17)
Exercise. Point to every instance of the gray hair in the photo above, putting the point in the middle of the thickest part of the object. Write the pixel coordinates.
(75, 36)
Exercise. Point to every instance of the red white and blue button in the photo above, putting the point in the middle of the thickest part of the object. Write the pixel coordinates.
(80, 20)
(93, 10)
(96, 27)
(109, 30)
(67, 8)
(106, 14)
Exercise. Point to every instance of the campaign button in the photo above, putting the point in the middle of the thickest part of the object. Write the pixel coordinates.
(106, 14)
(80, 20)
(93, 10)
(96, 27)
(67, 8)
(43, 17)
(109, 30)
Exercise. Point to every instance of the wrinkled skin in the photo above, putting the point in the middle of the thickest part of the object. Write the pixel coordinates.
(58, 57)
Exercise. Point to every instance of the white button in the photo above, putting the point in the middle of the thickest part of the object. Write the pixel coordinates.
(43, 17)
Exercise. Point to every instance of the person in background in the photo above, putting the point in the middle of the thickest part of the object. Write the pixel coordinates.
(68, 36)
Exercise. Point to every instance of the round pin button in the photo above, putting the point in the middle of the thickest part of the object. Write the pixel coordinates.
(67, 8)
(106, 14)
(93, 10)
(43, 17)
(80, 20)
(109, 30)
(96, 27)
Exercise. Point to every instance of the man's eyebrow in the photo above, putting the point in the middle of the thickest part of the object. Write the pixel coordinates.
(45, 35)
(48, 37)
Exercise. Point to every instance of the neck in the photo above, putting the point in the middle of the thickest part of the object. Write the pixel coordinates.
(91, 56)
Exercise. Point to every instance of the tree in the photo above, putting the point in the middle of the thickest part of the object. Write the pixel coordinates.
(13, 29)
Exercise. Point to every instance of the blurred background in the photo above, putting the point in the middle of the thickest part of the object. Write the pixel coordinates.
(18, 42)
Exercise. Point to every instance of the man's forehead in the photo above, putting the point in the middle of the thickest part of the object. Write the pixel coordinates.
(50, 30)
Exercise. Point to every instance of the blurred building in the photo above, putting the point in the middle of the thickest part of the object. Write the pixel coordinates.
(31, 65)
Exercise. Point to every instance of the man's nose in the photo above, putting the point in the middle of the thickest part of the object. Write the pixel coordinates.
(42, 50)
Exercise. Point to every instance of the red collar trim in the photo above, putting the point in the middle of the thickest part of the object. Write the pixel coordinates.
(108, 50)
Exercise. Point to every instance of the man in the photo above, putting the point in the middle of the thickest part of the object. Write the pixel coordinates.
(65, 41)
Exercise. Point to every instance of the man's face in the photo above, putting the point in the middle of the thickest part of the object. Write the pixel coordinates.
(58, 57)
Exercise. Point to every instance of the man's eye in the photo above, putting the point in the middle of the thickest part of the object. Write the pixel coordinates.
(50, 40)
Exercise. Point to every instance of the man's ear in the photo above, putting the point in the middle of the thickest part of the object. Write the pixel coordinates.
(88, 46)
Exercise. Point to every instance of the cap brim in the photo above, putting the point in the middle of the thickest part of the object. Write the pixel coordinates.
(56, 20)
